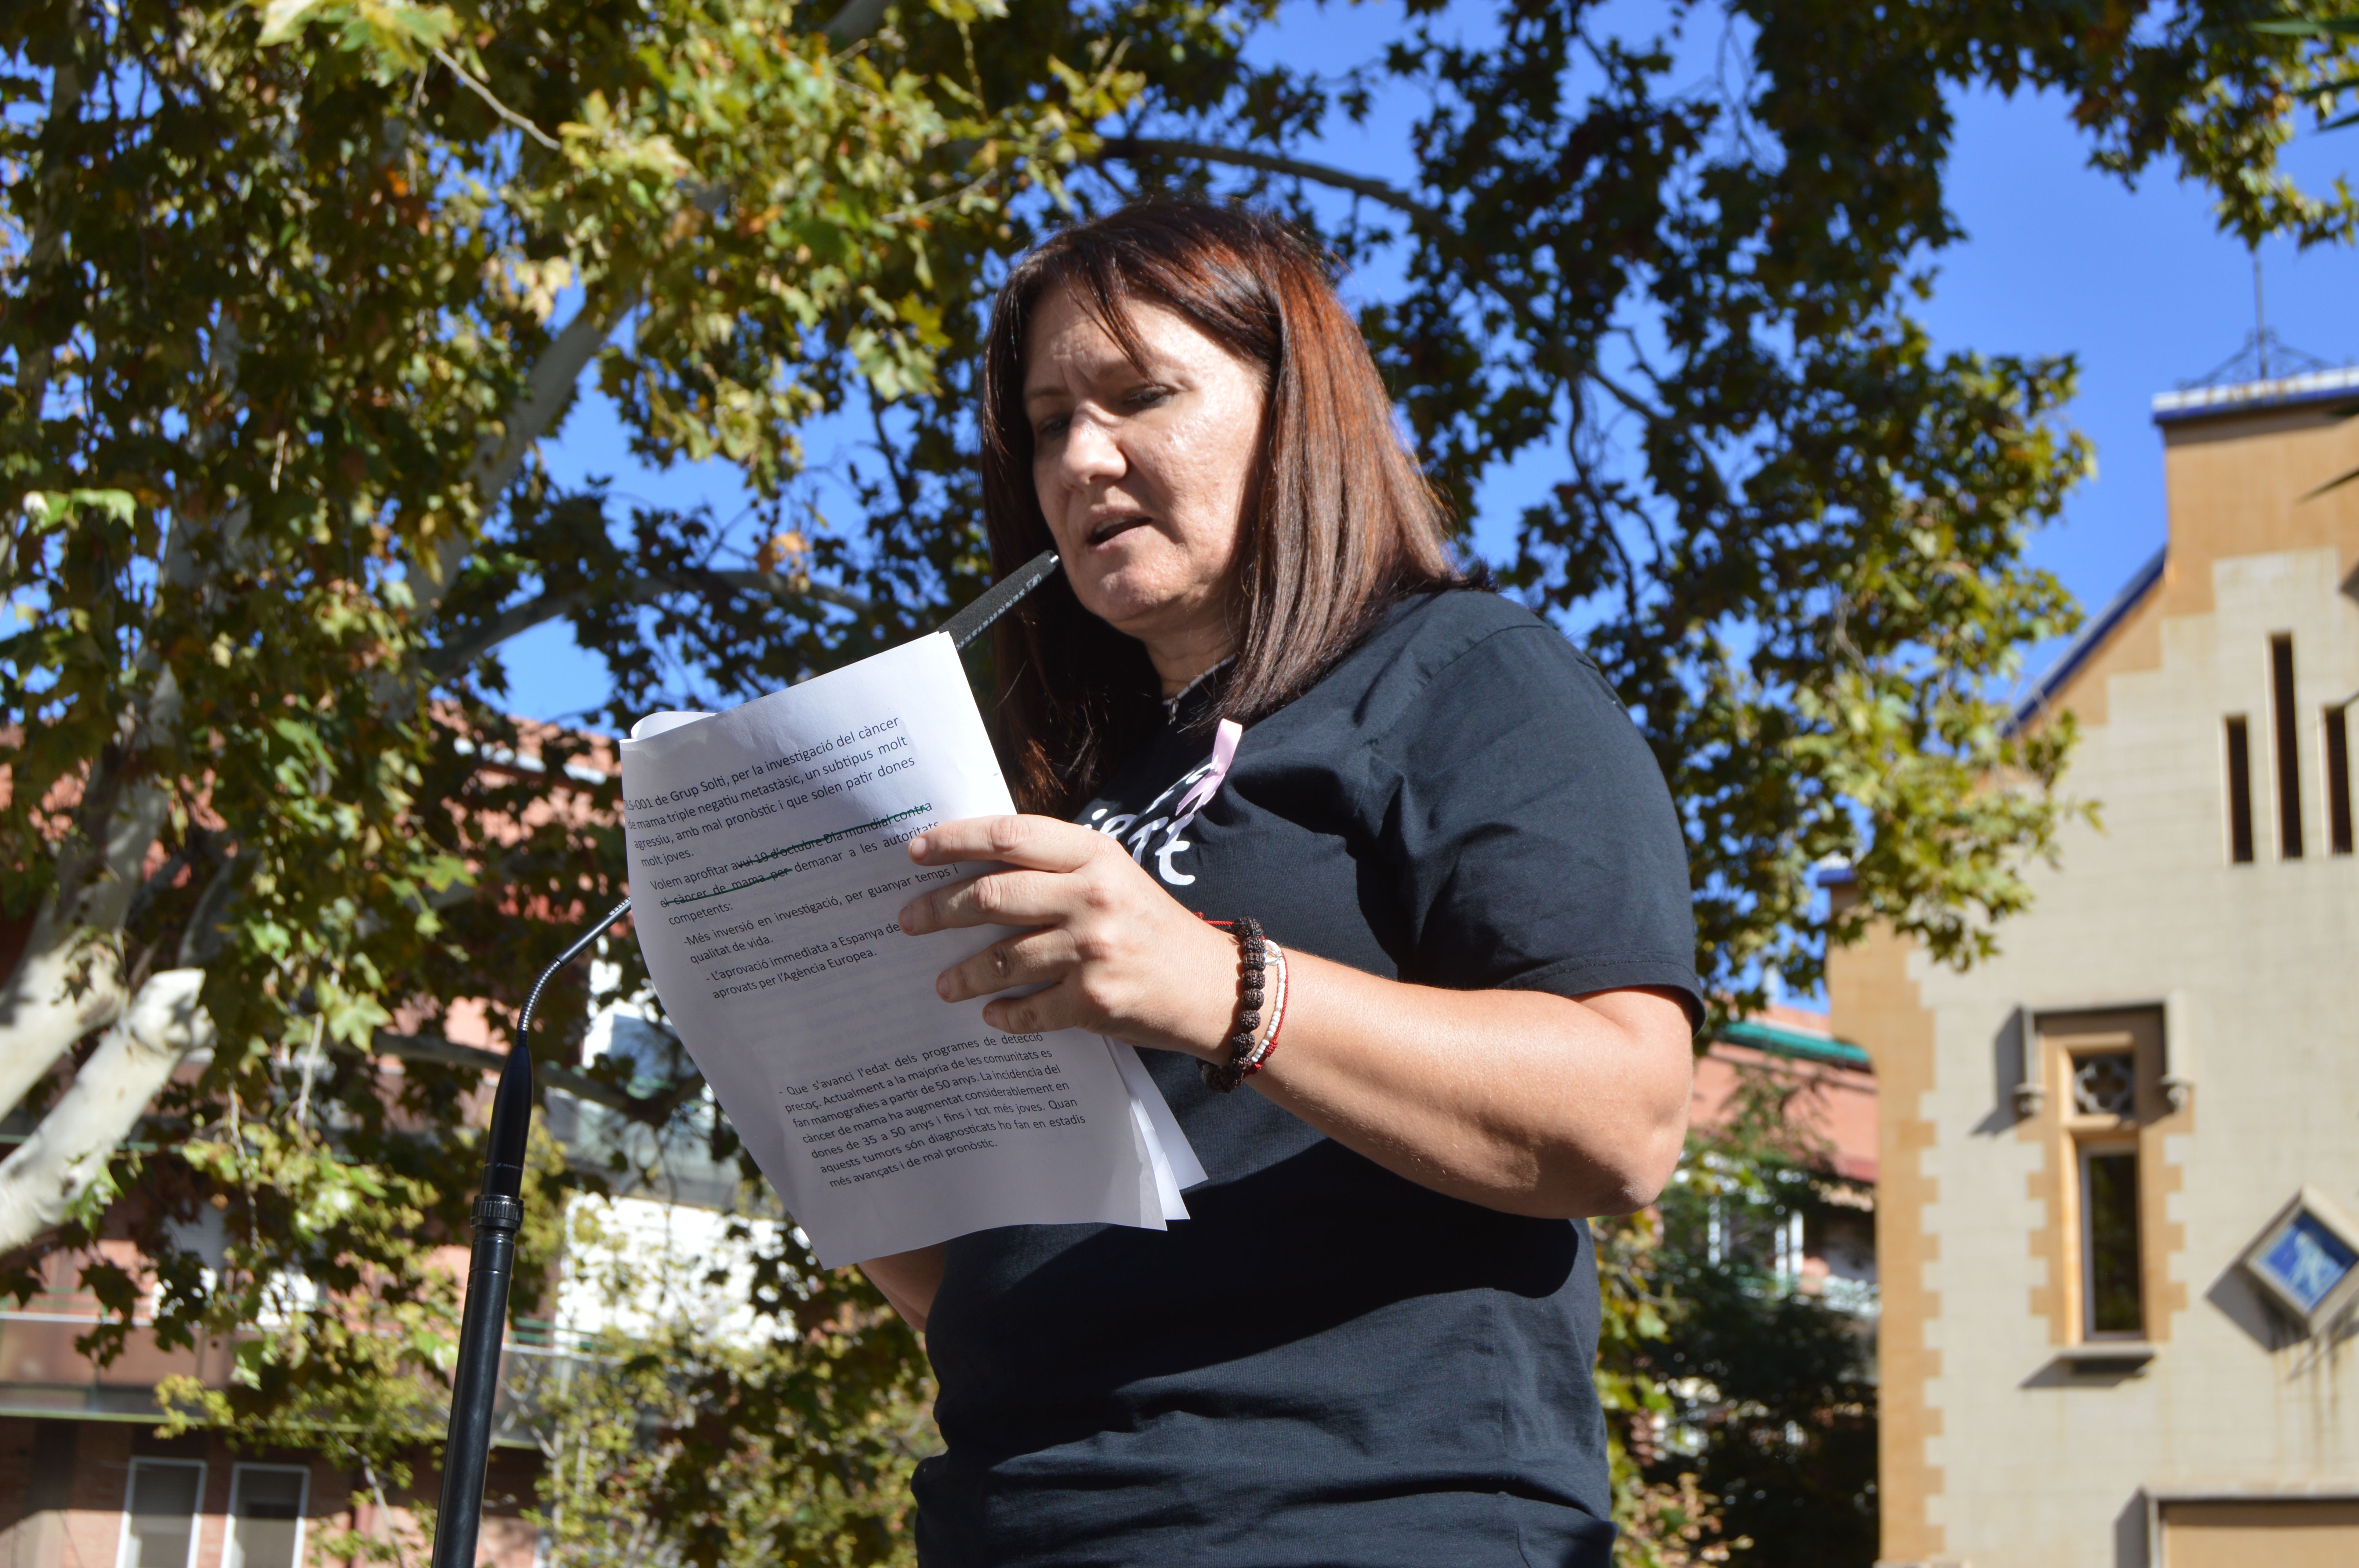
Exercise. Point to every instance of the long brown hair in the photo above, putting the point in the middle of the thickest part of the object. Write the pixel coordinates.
(1342, 523)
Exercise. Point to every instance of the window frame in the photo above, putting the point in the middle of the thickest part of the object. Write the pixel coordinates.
(2056, 1041)
(232, 1553)
(131, 1491)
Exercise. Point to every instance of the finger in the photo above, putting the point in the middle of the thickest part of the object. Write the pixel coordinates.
(1037, 958)
(1056, 1008)
(1002, 898)
(1038, 843)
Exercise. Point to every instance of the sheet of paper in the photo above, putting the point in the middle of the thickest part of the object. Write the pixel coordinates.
(767, 873)
(1176, 1165)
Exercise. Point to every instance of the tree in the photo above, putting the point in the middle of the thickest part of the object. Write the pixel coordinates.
(669, 1434)
(294, 296)
(282, 336)
(1768, 1402)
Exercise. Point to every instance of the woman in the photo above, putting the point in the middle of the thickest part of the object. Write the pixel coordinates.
(1371, 1341)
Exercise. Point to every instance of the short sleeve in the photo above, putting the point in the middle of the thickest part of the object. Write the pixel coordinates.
(1534, 839)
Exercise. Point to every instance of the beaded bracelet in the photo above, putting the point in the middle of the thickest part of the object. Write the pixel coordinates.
(1224, 1076)
(1268, 1047)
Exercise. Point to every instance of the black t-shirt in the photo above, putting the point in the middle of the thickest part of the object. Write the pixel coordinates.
(1327, 1362)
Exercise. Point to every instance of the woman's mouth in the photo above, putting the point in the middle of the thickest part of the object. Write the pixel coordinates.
(1103, 531)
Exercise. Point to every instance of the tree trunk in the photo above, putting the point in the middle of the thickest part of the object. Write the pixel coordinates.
(70, 980)
(50, 1171)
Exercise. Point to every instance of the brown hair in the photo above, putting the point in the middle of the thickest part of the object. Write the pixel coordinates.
(1342, 525)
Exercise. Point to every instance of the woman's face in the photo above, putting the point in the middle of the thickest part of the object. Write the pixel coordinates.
(1143, 473)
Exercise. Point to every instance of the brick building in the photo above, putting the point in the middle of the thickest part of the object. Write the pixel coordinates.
(1827, 1248)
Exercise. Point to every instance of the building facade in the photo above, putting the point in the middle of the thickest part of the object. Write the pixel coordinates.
(2120, 1160)
(1825, 1246)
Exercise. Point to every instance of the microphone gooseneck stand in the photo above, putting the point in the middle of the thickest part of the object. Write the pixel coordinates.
(499, 1213)
(499, 1210)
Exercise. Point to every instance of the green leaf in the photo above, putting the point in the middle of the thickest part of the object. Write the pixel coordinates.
(48, 509)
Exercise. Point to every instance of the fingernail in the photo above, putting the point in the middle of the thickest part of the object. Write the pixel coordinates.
(917, 849)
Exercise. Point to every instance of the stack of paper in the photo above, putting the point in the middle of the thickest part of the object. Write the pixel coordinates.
(767, 868)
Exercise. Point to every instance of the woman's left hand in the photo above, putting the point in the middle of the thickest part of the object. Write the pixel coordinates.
(1118, 956)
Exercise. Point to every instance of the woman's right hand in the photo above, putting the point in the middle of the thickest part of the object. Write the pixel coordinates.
(1112, 951)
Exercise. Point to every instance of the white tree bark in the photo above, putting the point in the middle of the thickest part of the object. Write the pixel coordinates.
(40, 1182)
(69, 980)
(501, 451)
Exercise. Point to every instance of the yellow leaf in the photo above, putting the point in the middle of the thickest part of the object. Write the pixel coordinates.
(282, 19)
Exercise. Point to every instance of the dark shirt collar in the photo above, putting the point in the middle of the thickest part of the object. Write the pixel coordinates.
(1196, 701)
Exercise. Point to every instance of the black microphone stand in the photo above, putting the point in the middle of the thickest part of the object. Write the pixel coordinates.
(499, 1211)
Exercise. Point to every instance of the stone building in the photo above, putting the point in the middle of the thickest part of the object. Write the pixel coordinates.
(2120, 1160)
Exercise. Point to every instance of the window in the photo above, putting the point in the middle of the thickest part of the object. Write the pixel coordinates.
(2107, 1241)
(2338, 781)
(2311, 1260)
(2288, 746)
(1747, 1230)
(2105, 1083)
(2111, 1275)
(2240, 793)
(159, 1514)
(265, 1515)
(2307, 1258)
(1792, 1252)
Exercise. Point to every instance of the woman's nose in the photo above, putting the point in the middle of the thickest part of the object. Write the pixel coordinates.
(1091, 454)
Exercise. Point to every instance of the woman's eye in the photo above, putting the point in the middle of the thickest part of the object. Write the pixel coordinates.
(1149, 396)
(1051, 427)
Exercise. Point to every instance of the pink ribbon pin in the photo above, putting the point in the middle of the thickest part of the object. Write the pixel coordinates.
(1224, 752)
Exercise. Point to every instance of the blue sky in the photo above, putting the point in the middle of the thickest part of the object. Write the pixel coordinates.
(2139, 284)
(2058, 259)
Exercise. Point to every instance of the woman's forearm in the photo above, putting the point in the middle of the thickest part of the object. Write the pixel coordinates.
(1516, 1100)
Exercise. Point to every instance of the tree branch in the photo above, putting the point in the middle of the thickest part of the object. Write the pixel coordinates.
(655, 1110)
(519, 619)
(1543, 334)
(69, 1152)
(484, 92)
(70, 980)
(202, 941)
(780, 586)
(548, 387)
(555, 374)
(444, 662)
(1130, 148)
